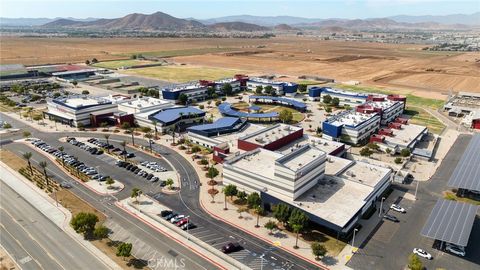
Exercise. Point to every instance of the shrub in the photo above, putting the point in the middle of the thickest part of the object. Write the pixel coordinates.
(398, 160)
(101, 232)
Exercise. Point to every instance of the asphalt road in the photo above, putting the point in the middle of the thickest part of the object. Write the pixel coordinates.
(391, 243)
(37, 243)
(256, 252)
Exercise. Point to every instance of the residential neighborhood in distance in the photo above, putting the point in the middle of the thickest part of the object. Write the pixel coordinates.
(186, 136)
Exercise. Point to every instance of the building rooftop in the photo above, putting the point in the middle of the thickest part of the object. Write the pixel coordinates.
(300, 158)
(144, 102)
(406, 135)
(344, 93)
(292, 102)
(323, 144)
(467, 172)
(168, 116)
(77, 102)
(259, 161)
(183, 87)
(364, 173)
(384, 105)
(350, 118)
(336, 165)
(270, 134)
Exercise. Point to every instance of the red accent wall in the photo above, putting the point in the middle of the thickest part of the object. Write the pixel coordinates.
(376, 138)
(249, 146)
(219, 158)
(395, 125)
(476, 124)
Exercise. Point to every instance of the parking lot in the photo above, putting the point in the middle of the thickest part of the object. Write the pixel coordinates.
(390, 244)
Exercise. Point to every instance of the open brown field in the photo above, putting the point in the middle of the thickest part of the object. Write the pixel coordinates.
(401, 67)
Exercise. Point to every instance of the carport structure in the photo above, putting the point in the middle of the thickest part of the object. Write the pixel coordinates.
(467, 173)
(450, 222)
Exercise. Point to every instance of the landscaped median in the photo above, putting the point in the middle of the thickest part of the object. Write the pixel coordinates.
(148, 210)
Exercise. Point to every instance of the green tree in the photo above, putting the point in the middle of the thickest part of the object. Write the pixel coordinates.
(366, 152)
(253, 200)
(183, 99)
(44, 164)
(94, 60)
(281, 212)
(298, 217)
(28, 156)
(37, 118)
(318, 250)
(85, 92)
(56, 95)
(335, 101)
(258, 210)
(110, 182)
(296, 229)
(84, 223)
(125, 125)
(414, 262)
(124, 144)
(398, 160)
(302, 88)
(405, 152)
(388, 150)
(26, 134)
(136, 192)
(327, 99)
(227, 89)
(101, 232)
(212, 172)
(268, 89)
(242, 196)
(328, 110)
(229, 190)
(217, 103)
(259, 90)
(124, 250)
(210, 91)
(145, 129)
(270, 226)
(75, 83)
(285, 116)
(107, 136)
(87, 62)
(169, 183)
(373, 146)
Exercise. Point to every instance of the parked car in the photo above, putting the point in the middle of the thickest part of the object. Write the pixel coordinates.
(456, 250)
(422, 253)
(391, 218)
(177, 218)
(231, 247)
(397, 208)
(165, 213)
(181, 222)
(172, 215)
(188, 226)
(65, 184)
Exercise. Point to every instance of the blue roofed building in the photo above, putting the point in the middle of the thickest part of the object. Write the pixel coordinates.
(221, 126)
(351, 127)
(352, 99)
(297, 105)
(178, 118)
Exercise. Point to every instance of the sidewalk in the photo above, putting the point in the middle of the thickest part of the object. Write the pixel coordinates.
(57, 214)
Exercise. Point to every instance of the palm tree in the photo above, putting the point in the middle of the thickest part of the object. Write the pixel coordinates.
(155, 125)
(149, 136)
(296, 229)
(44, 164)
(28, 156)
(106, 136)
(132, 131)
(258, 210)
(123, 144)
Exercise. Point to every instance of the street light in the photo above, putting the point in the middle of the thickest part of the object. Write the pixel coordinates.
(353, 240)
(381, 207)
(416, 189)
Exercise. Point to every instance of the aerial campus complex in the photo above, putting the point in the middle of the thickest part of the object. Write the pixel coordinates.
(177, 159)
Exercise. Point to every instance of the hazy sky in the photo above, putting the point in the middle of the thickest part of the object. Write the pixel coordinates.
(208, 9)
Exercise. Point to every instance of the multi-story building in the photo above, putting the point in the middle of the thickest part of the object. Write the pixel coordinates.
(79, 110)
(144, 104)
(352, 99)
(387, 109)
(351, 126)
(280, 88)
(194, 91)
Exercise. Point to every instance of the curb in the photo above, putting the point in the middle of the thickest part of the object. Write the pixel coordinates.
(166, 234)
(261, 237)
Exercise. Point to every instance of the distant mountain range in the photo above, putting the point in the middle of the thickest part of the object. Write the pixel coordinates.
(160, 21)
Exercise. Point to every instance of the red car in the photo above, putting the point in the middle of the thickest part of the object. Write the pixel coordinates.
(181, 222)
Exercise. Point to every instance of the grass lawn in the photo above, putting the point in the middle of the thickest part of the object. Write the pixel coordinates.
(333, 246)
(309, 82)
(121, 63)
(185, 52)
(411, 99)
(448, 195)
(423, 118)
(297, 116)
(183, 73)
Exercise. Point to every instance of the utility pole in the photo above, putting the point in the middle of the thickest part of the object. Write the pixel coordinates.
(381, 207)
(416, 189)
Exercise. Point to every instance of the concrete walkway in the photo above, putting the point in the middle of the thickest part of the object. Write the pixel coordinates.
(46, 205)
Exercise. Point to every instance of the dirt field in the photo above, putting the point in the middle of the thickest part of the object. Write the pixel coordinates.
(393, 66)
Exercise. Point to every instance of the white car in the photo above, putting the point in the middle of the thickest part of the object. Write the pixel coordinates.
(397, 208)
(455, 250)
(422, 253)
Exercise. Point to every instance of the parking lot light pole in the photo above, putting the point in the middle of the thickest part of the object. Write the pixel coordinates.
(416, 189)
(381, 207)
(353, 240)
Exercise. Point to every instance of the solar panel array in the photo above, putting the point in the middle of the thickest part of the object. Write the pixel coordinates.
(467, 173)
(451, 222)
